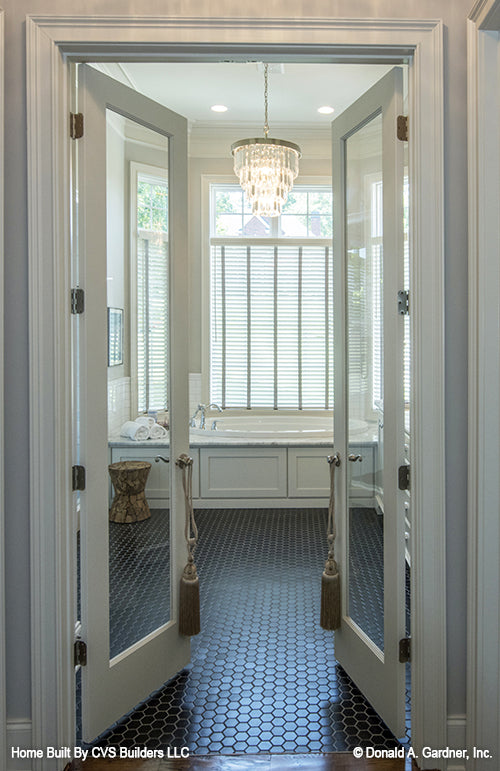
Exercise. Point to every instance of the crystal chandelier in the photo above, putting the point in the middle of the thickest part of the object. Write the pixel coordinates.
(266, 167)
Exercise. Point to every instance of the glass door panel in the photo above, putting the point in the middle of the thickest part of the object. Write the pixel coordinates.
(364, 272)
(137, 279)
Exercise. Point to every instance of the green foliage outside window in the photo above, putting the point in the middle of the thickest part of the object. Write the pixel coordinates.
(152, 206)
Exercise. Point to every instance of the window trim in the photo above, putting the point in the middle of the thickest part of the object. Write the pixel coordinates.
(154, 173)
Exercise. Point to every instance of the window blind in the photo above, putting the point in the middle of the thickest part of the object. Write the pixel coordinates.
(152, 321)
(271, 325)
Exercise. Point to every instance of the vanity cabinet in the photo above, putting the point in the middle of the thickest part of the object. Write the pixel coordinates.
(254, 476)
(158, 484)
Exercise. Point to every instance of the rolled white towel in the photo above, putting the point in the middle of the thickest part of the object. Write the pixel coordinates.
(157, 432)
(134, 430)
(145, 420)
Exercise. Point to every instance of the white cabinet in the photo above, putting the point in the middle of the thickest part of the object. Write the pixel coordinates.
(158, 484)
(237, 472)
(308, 472)
(229, 476)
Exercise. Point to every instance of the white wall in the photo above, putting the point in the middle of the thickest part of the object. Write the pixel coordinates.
(454, 13)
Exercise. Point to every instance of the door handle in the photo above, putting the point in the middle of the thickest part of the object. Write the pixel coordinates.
(334, 459)
(353, 458)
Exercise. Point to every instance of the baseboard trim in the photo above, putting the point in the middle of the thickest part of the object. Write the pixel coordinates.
(18, 735)
(457, 738)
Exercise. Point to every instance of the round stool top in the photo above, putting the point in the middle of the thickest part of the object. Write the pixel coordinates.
(129, 465)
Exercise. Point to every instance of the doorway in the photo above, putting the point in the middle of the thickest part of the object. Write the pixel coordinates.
(140, 189)
(48, 121)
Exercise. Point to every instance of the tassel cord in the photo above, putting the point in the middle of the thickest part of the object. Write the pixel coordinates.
(331, 530)
(190, 529)
(331, 617)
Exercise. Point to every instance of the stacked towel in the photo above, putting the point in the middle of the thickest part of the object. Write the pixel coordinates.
(157, 432)
(142, 428)
(145, 420)
(134, 430)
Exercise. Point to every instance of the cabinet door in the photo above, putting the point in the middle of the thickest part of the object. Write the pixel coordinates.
(158, 484)
(308, 472)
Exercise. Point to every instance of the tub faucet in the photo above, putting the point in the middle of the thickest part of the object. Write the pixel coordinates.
(202, 408)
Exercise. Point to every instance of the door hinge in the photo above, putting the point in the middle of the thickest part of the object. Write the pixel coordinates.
(405, 650)
(402, 128)
(80, 653)
(77, 300)
(78, 477)
(403, 302)
(76, 125)
(404, 477)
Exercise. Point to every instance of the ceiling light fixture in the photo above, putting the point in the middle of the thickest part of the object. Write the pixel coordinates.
(219, 108)
(266, 167)
(326, 110)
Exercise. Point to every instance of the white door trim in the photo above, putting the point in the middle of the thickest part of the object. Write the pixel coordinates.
(483, 536)
(3, 688)
(49, 41)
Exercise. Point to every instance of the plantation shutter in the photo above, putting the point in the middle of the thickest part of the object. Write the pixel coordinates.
(152, 321)
(271, 324)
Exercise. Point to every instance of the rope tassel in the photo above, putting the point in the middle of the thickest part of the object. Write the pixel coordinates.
(330, 580)
(189, 595)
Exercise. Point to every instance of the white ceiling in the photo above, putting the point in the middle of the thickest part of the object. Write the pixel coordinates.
(295, 90)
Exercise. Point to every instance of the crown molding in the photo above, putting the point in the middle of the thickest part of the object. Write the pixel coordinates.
(486, 14)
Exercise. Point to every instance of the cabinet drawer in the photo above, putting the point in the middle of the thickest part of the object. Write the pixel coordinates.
(308, 473)
(243, 473)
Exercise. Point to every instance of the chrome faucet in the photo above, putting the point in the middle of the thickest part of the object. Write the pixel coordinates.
(201, 409)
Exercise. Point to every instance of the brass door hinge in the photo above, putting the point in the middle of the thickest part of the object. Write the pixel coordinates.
(402, 128)
(80, 653)
(78, 478)
(405, 650)
(404, 477)
(403, 302)
(77, 300)
(76, 125)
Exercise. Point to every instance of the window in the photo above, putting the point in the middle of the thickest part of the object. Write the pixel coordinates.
(271, 305)
(150, 249)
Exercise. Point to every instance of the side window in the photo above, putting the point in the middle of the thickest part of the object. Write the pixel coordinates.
(150, 266)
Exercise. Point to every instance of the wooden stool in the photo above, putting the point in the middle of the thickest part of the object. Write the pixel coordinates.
(129, 479)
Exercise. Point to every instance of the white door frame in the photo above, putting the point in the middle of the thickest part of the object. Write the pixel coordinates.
(483, 536)
(51, 40)
(3, 688)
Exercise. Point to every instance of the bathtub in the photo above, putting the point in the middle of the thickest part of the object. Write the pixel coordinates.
(274, 426)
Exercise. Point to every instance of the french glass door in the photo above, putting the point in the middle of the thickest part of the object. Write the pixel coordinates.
(369, 400)
(131, 358)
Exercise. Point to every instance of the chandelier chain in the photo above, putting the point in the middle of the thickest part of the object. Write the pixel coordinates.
(266, 118)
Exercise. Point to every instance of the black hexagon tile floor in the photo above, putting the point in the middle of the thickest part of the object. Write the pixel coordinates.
(263, 675)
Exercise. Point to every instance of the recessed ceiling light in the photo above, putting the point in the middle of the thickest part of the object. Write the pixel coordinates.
(219, 108)
(326, 110)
